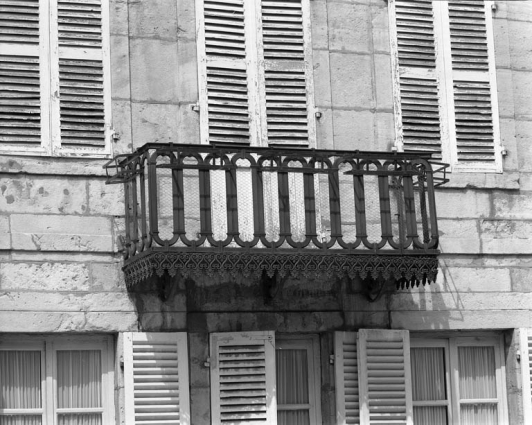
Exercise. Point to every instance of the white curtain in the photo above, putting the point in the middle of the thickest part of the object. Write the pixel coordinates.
(20, 386)
(428, 384)
(292, 386)
(476, 369)
(79, 385)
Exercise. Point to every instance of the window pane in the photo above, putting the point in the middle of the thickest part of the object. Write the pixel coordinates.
(430, 415)
(297, 417)
(292, 376)
(79, 379)
(20, 380)
(428, 373)
(20, 420)
(483, 414)
(476, 369)
(80, 419)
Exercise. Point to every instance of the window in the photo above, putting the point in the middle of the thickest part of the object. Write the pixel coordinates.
(444, 81)
(458, 381)
(255, 72)
(258, 378)
(55, 90)
(58, 381)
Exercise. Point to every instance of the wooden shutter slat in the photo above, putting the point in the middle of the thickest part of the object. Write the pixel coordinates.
(346, 378)
(385, 390)
(243, 378)
(156, 378)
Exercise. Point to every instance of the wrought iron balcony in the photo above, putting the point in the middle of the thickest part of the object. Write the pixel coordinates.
(193, 209)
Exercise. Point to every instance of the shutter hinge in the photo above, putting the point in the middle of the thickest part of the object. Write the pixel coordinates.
(504, 151)
(318, 114)
(331, 359)
(115, 135)
(494, 6)
(207, 362)
(195, 107)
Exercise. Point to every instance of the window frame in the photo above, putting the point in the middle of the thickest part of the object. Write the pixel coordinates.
(48, 49)
(311, 344)
(451, 345)
(48, 346)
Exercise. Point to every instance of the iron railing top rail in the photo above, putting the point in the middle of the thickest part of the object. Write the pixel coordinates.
(118, 168)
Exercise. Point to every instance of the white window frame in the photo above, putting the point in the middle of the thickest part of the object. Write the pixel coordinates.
(310, 343)
(48, 346)
(48, 51)
(451, 346)
(258, 131)
(445, 88)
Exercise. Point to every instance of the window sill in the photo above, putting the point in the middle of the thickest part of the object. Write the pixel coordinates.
(48, 165)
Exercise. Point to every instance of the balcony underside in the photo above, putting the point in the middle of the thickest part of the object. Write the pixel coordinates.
(405, 270)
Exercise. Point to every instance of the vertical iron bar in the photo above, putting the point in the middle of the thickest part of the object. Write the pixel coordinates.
(127, 201)
(423, 206)
(178, 203)
(257, 183)
(143, 205)
(310, 205)
(284, 204)
(135, 214)
(410, 207)
(205, 202)
(334, 204)
(360, 206)
(152, 194)
(386, 213)
(232, 202)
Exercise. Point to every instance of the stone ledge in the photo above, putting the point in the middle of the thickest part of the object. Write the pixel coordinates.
(504, 181)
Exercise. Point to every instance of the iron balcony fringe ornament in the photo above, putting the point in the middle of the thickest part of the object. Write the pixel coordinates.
(296, 213)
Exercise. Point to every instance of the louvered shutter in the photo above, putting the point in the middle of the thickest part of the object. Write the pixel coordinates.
(243, 378)
(526, 370)
(80, 76)
(475, 127)
(287, 72)
(417, 85)
(23, 37)
(156, 378)
(224, 56)
(384, 374)
(346, 378)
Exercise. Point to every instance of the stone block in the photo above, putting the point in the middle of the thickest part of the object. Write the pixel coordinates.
(505, 93)
(352, 81)
(48, 166)
(120, 68)
(160, 322)
(459, 236)
(349, 27)
(508, 140)
(5, 234)
(353, 130)
(506, 180)
(122, 126)
(105, 199)
(154, 123)
(526, 179)
(522, 81)
(501, 40)
(198, 353)
(110, 322)
(518, 10)
(520, 36)
(107, 277)
(322, 79)
(42, 195)
(360, 320)
(471, 279)
(462, 204)
(44, 277)
(521, 279)
(383, 82)
(380, 25)
(65, 301)
(188, 124)
(61, 233)
(187, 71)
(186, 19)
(153, 70)
(523, 131)
(512, 206)
(320, 34)
(153, 19)
(324, 130)
(384, 132)
(200, 405)
(438, 301)
(118, 17)
(460, 319)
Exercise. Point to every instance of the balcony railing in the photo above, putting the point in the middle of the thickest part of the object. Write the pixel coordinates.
(193, 209)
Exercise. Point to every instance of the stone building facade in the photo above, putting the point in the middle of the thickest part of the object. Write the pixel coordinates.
(62, 226)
